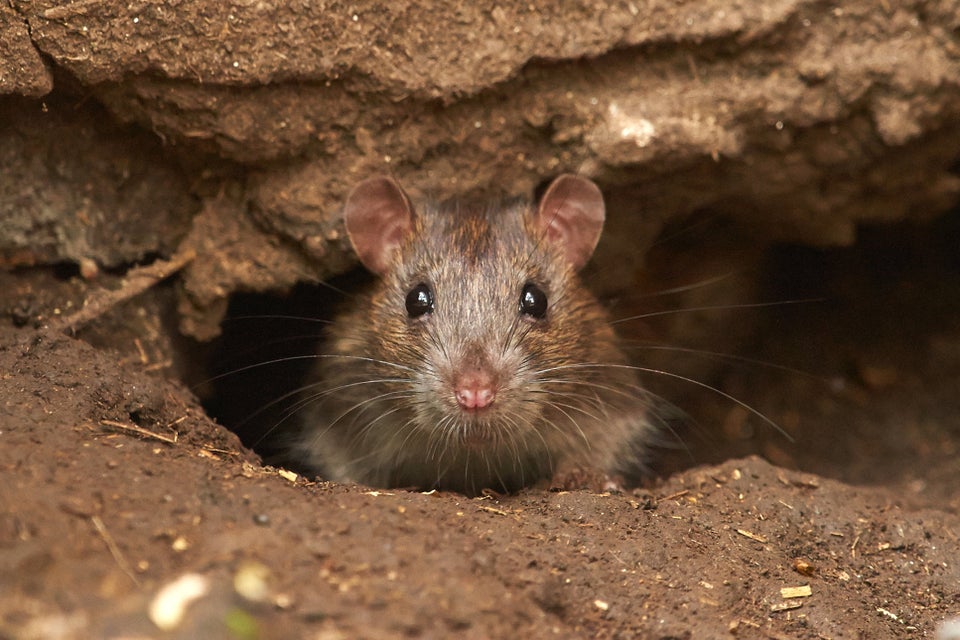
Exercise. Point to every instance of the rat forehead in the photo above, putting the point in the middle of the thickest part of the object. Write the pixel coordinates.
(472, 232)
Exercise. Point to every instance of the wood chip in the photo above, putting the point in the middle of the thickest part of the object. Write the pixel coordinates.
(752, 536)
(734, 626)
(786, 606)
(803, 591)
(287, 475)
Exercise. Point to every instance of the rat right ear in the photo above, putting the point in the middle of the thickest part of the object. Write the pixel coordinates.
(378, 215)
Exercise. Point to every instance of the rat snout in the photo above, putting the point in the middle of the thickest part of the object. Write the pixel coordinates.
(475, 389)
(474, 379)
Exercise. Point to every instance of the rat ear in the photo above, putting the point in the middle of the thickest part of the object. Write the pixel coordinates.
(571, 213)
(378, 215)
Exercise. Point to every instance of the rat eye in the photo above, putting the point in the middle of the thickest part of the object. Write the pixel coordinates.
(419, 300)
(533, 301)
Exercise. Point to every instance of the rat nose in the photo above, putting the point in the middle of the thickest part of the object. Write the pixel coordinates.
(474, 390)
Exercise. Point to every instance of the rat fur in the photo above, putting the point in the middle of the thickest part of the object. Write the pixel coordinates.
(478, 360)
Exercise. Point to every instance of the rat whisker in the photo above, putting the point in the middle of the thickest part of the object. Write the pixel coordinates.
(359, 405)
(244, 354)
(276, 316)
(292, 409)
(629, 390)
(726, 357)
(694, 382)
(319, 395)
(365, 432)
(313, 356)
(590, 401)
(573, 422)
(720, 307)
(700, 284)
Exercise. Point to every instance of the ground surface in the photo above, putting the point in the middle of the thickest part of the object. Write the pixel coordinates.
(96, 517)
(232, 132)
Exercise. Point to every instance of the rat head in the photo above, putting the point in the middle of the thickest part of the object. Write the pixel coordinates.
(481, 308)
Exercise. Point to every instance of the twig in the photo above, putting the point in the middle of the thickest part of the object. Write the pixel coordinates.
(225, 452)
(140, 430)
(135, 282)
(171, 425)
(674, 496)
(114, 549)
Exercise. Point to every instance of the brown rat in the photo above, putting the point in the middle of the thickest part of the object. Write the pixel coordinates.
(478, 360)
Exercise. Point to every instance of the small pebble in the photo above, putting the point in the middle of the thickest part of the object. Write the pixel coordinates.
(251, 582)
(170, 604)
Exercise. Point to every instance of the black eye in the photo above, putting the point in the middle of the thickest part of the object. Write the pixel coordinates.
(533, 301)
(419, 300)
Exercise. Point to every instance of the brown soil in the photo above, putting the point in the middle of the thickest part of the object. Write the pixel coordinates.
(115, 484)
(137, 132)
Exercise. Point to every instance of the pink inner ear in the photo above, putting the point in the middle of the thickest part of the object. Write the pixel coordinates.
(377, 215)
(571, 214)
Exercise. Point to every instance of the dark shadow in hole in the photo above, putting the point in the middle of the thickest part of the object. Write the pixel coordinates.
(265, 353)
(878, 301)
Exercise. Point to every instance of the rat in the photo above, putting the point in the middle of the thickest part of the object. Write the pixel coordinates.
(478, 360)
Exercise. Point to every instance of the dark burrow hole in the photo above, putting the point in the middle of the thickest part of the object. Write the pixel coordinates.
(873, 302)
(262, 357)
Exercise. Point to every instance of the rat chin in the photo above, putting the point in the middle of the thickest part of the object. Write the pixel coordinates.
(479, 435)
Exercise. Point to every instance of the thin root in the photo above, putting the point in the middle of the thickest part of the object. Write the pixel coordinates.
(135, 282)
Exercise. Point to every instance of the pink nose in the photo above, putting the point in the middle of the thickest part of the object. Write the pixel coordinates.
(474, 390)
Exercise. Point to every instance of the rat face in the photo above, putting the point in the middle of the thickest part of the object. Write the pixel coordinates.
(474, 353)
(471, 295)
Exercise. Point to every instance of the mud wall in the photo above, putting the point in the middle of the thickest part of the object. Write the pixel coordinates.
(130, 129)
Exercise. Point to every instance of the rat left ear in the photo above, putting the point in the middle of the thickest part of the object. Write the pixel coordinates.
(571, 214)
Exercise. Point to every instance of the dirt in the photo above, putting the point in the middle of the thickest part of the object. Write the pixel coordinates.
(116, 483)
(805, 483)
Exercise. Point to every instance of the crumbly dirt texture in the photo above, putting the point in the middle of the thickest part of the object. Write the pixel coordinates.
(116, 484)
(787, 151)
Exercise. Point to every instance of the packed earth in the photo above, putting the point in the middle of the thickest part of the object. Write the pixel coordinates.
(780, 255)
